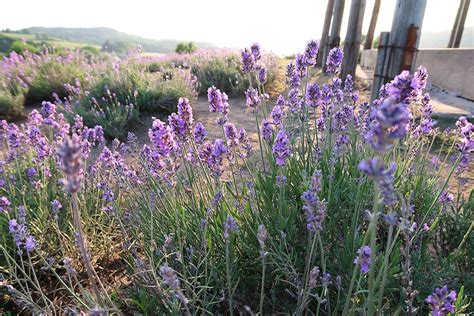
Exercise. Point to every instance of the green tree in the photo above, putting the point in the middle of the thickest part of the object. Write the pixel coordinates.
(185, 48)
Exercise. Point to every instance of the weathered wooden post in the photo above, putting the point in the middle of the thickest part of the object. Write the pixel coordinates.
(325, 34)
(353, 38)
(458, 27)
(407, 13)
(334, 38)
(373, 22)
(381, 65)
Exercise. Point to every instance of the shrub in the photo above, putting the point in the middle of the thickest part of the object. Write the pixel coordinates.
(219, 68)
(11, 106)
(185, 48)
(20, 47)
(116, 118)
(50, 78)
(115, 98)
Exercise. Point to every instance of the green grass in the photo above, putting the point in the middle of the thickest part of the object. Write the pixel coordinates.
(55, 42)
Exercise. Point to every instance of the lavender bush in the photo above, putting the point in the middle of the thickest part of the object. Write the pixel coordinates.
(340, 207)
(216, 67)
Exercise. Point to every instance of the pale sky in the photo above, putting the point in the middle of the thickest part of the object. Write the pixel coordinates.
(281, 26)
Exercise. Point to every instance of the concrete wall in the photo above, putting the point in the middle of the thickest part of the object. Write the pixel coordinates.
(449, 69)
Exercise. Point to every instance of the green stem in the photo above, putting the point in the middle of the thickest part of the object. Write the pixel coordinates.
(262, 287)
(385, 269)
(229, 279)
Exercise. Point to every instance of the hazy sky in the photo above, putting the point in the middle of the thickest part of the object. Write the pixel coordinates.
(281, 26)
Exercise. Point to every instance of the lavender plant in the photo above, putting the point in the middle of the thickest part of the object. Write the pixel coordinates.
(333, 207)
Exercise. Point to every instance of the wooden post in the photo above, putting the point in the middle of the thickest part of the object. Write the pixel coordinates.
(324, 35)
(334, 38)
(353, 38)
(408, 13)
(381, 65)
(373, 22)
(458, 28)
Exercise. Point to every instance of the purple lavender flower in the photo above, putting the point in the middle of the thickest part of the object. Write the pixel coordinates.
(214, 156)
(466, 131)
(311, 52)
(404, 87)
(252, 98)
(363, 259)
(390, 123)
(181, 123)
(293, 98)
(56, 207)
(230, 132)
(280, 101)
(30, 243)
(315, 184)
(244, 143)
(256, 51)
(420, 79)
(281, 148)
(170, 278)
(31, 172)
(4, 204)
(217, 101)
(262, 74)
(248, 60)
(107, 193)
(199, 133)
(313, 277)
(326, 280)
(313, 95)
(292, 75)
(49, 110)
(78, 123)
(162, 138)
(18, 231)
(383, 176)
(441, 302)
(314, 211)
(334, 60)
(230, 226)
(70, 155)
(277, 115)
(348, 84)
(185, 112)
(445, 198)
(301, 68)
(267, 130)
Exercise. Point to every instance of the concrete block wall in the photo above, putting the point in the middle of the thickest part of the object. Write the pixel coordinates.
(451, 69)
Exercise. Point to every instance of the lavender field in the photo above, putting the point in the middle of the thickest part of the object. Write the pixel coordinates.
(320, 203)
(306, 158)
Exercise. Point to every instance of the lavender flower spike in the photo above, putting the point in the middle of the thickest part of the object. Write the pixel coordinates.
(441, 302)
(334, 60)
(248, 60)
(363, 259)
(281, 148)
(70, 154)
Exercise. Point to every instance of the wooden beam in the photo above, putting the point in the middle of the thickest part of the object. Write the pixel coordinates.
(462, 20)
(325, 34)
(373, 22)
(353, 38)
(334, 37)
(408, 13)
(381, 65)
(455, 26)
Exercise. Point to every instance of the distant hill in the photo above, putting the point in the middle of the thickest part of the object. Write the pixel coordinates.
(441, 39)
(98, 35)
